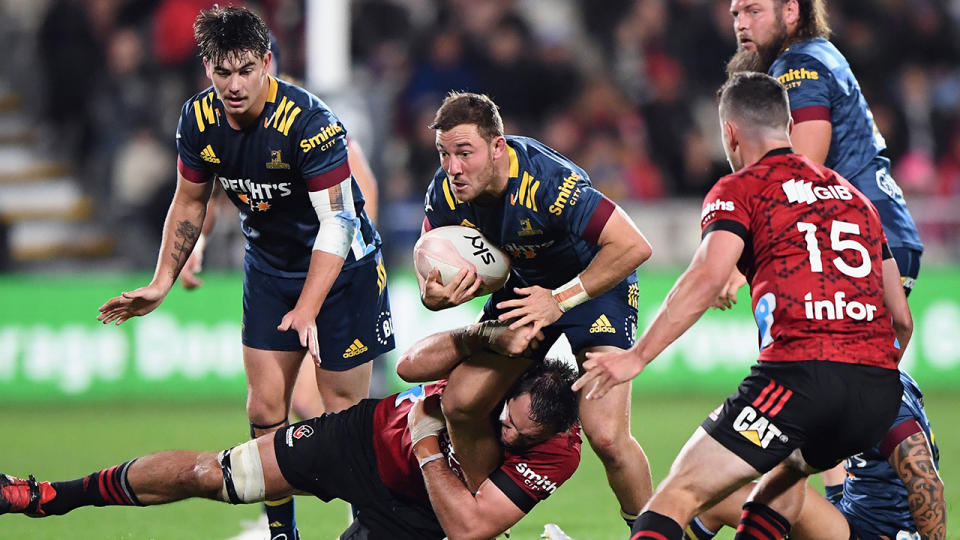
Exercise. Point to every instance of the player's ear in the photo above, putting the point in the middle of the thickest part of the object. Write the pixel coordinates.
(791, 13)
(790, 126)
(208, 67)
(499, 146)
(267, 61)
(732, 135)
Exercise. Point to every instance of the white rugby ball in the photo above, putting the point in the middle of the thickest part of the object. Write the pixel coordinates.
(454, 247)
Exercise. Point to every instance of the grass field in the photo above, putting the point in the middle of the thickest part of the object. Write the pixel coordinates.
(68, 441)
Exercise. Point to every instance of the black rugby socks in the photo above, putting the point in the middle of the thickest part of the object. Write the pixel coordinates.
(109, 487)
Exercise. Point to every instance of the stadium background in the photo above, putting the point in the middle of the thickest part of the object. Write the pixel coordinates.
(89, 95)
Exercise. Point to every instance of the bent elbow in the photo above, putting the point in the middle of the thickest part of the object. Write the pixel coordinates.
(407, 368)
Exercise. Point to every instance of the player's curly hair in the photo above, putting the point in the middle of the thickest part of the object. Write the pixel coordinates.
(469, 108)
(813, 20)
(230, 31)
(553, 403)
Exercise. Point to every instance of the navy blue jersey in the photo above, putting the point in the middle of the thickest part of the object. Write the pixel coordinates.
(549, 220)
(873, 494)
(268, 169)
(821, 86)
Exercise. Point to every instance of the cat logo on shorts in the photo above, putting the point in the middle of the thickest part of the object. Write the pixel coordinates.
(757, 429)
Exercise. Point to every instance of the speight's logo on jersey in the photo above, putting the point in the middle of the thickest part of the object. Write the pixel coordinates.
(534, 479)
(257, 196)
(527, 251)
(324, 138)
(569, 193)
(709, 208)
(798, 191)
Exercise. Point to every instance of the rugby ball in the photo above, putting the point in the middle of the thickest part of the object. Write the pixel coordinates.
(454, 247)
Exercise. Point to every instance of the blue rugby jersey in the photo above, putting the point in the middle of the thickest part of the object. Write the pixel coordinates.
(549, 219)
(297, 145)
(873, 493)
(821, 86)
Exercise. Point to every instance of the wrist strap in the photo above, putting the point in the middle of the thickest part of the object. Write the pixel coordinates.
(431, 457)
(570, 294)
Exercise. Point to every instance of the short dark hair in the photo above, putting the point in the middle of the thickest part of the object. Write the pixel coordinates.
(469, 108)
(553, 403)
(755, 98)
(230, 31)
(813, 20)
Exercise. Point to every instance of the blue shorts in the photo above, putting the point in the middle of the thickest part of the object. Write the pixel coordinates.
(609, 319)
(908, 262)
(354, 325)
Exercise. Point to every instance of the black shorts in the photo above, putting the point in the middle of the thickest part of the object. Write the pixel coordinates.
(829, 410)
(609, 319)
(332, 457)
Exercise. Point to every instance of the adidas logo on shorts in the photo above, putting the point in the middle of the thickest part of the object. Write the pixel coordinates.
(602, 325)
(354, 349)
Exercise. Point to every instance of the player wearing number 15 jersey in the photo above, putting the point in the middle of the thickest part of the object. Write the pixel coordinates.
(826, 384)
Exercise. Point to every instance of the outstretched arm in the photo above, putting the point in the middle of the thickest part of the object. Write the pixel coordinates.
(913, 462)
(180, 233)
(693, 293)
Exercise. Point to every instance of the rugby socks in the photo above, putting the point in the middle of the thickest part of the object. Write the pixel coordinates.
(760, 522)
(628, 517)
(696, 531)
(109, 487)
(280, 516)
(654, 526)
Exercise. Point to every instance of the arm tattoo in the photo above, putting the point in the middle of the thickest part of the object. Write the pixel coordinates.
(911, 459)
(187, 234)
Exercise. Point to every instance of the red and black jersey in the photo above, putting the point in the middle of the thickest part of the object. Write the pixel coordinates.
(526, 477)
(813, 256)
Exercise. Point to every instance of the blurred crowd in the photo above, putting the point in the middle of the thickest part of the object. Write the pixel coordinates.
(623, 87)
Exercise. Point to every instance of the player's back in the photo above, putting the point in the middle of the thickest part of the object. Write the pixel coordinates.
(813, 259)
(873, 493)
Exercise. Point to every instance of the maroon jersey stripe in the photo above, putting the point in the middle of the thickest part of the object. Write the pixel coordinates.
(814, 112)
(329, 178)
(599, 218)
(896, 435)
(193, 175)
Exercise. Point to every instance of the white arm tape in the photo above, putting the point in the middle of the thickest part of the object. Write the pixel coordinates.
(570, 294)
(338, 223)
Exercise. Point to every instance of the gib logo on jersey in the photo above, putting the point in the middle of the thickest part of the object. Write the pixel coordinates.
(256, 195)
(798, 191)
(709, 208)
(534, 479)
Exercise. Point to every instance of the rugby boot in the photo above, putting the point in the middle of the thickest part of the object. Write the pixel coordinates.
(21, 496)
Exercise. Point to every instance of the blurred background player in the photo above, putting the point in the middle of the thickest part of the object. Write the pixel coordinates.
(390, 458)
(312, 257)
(825, 385)
(832, 123)
(574, 256)
(891, 491)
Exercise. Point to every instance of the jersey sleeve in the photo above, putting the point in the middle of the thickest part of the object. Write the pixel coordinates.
(725, 208)
(575, 204)
(530, 477)
(904, 426)
(322, 152)
(439, 204)
(808, 84)
(189, 162)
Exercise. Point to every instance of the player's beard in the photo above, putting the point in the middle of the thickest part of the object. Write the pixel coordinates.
(760, 59)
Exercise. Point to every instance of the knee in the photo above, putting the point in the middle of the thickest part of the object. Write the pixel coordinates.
(203, 478)
(263, 411)
(609, 442)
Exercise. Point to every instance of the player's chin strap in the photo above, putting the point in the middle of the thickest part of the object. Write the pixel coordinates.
(242, 474)
(570, 294)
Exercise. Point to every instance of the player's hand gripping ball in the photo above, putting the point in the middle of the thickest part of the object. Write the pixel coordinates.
(454, 247)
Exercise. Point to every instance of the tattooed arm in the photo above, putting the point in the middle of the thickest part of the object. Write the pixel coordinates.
(180, 233)
(914, 464)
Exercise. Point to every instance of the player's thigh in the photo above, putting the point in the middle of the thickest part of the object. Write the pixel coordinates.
(478, 383)
(270, 376)
(341, 389)
(607, 419)
(703, 473)
(819, 519)
(275, 485)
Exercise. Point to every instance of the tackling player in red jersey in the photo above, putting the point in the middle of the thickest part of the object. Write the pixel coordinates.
(390, 458)
(824, 287)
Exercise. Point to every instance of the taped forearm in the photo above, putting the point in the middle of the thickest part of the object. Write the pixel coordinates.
(338, 219)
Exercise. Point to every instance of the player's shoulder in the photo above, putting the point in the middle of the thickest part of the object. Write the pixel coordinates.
(541, 161)
(818, 55)
(199, 112)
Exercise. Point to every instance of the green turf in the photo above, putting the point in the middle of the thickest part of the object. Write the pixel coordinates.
(67, 441)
